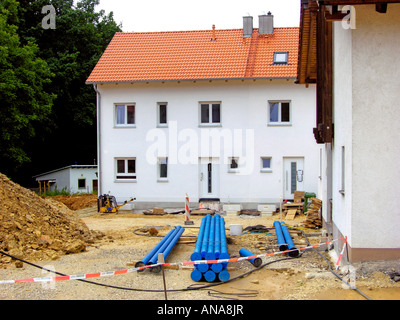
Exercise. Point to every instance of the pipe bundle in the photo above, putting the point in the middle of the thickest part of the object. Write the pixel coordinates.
(285, 241)
(164, 246)
(211, 245)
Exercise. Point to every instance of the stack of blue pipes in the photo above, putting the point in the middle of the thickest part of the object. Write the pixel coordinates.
(211, 245)
(165, 246)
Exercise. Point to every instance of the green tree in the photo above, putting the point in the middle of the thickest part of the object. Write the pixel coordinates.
(24, 98)
(71, 51)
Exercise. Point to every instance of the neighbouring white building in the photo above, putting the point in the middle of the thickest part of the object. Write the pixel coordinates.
(214, 114)
(73, 179)
(351, 52)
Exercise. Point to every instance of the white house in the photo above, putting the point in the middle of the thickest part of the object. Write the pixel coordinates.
(358, 91)
(214, 114)
(74, 179)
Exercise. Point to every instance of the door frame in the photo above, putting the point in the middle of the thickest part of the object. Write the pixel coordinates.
(285, 176)
(213, 176)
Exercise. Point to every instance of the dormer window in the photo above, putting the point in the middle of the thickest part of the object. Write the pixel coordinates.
(281, 57)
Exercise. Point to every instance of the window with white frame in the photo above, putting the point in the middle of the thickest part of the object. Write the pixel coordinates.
(279, 112)
(162, 169)
(210, 113)
(81, 183)
(281, 57)
(266, 164)
(162, 114)
(125, 168)
(125, 114)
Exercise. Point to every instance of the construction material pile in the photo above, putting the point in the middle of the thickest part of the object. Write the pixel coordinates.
(32, 228)
(211, 245)
(313, 219)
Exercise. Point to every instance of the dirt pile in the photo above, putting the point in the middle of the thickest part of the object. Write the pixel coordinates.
(78, 201)
(35, 229)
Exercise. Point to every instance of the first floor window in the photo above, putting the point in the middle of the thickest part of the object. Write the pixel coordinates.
(279, 112)
(124, 114)
(162, 113)
(163, 168)
(210, 113)
(126, 168)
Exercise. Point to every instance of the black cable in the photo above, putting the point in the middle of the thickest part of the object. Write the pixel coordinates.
(193, 287)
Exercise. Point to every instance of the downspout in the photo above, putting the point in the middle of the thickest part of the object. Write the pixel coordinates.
(98, 113)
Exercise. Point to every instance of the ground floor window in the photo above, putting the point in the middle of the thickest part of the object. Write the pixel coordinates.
(162, 169)
(125, 168)
(266, 164)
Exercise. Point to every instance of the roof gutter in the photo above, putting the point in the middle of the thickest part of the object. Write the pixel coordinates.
(187, 80)
(98, 112)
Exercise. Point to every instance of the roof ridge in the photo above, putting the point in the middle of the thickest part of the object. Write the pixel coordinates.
(198, 30)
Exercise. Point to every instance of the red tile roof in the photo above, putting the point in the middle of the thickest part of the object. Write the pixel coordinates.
(192, 55)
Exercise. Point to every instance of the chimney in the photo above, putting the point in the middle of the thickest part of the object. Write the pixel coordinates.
(247, 26)
(266, 24)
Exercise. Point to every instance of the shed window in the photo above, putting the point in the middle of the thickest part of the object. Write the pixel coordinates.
(81, 183)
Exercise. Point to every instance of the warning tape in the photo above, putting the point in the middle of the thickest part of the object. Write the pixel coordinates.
(118, 272)
(341, 253)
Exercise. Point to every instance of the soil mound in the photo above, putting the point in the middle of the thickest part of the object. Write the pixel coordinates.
(33, 228)
(77, 201)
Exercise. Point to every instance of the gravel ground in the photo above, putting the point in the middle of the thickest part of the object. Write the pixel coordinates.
(302, 278)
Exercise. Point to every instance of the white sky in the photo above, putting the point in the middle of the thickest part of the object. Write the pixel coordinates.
(180, 15)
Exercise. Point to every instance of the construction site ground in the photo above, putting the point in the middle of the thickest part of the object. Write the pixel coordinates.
(126, 239)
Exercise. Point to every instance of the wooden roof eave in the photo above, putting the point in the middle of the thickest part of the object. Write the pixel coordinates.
(307, 65)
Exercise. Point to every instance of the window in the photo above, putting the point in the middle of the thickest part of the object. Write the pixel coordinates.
(233, 164)
(81, 183)
(210, 113)
(266, 164)
(124, 114)
(162, 169)
(162, 114)
(279, 112)
(125, 168)
(281, 57)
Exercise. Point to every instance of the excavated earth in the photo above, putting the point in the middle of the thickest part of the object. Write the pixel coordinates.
(67, 235)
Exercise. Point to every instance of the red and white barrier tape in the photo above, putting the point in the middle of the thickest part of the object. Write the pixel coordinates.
(114, 273)
(341, 253)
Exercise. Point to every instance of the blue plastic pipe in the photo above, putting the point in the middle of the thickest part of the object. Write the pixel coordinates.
(224, 250)
(196, 275)
(211, 240)
(280, 237)
(146, 259)
(217, 244)
(224, 275)
(295, 252)
(210, 276)
(196, 255)
(168, 249)
(154, 258)
(246, 253)
(204, 246)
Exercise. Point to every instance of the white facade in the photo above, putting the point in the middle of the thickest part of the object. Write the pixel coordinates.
(74, 179)
(360, 170)
(199, 155)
